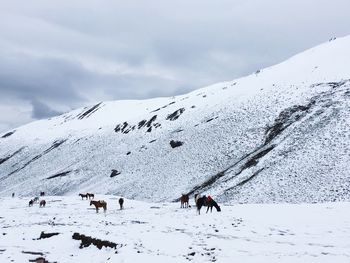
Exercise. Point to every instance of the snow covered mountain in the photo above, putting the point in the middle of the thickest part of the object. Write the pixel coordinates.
(281, 134)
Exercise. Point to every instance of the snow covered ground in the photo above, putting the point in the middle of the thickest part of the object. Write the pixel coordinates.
(162, 232)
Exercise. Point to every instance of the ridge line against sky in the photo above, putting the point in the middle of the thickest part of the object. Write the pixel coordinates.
(59, 55)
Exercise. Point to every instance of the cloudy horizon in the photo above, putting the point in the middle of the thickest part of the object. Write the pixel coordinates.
(56, 56)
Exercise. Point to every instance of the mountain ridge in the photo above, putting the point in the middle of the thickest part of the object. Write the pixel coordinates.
(241, 140)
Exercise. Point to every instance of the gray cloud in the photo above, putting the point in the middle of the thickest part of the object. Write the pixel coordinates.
(55, 56)
(40, 110)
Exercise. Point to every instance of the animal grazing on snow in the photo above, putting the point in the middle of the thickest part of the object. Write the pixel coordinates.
(184, 201)
(13, 194)
(90, 195)
(42, 193)
(31, 202)
(207, 201)
(99, 204)
(83, 196)
(211, 203)
(121, 203)
(36, 199)
(42, 203)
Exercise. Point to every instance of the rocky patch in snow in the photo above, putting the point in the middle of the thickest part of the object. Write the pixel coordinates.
(86, 241)
(175, 115)
(62, 174)
(2, 160)
(175, 144)
(115, 173)
(8, 134)
(89, 112)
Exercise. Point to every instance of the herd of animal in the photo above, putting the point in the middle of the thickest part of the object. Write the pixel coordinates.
(199, 200)
(42, 203)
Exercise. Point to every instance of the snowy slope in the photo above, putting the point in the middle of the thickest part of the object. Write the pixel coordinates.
(281, 134)
(162, 232)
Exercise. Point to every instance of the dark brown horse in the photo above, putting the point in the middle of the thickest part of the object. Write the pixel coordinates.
(211, 203)
(42, 203)
(184, 201)
(42, 193)
(121, 203)
(99, 204)
(92, 196)
(83, 196)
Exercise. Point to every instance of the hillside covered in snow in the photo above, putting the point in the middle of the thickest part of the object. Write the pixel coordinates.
(281, 134)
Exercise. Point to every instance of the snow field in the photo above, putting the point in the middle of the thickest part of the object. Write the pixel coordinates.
(162, 232)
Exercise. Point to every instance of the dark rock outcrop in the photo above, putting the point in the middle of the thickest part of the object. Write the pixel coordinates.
(175, 144)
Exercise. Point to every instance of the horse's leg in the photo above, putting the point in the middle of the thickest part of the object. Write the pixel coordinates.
(208, 208)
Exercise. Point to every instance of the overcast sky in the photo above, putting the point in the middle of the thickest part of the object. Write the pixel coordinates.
(60, 55)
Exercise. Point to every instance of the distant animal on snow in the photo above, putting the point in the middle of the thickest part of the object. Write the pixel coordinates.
(13, 194)
(184, 201)
(121, 203)
(31, 202)
(92, 196)
(211, 203)
(42, 203)
(42, 193)
(99, 204)
(83, 196)
(36, 199)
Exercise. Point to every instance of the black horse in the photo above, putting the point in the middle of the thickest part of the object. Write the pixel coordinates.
(204, 201)
(211, 203)
(83, 196)
(121, 203)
